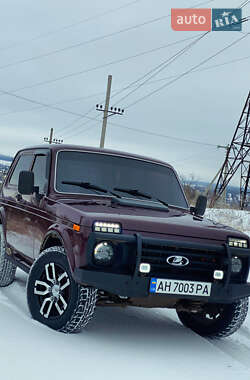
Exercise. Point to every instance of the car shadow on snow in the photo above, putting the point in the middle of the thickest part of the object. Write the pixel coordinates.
(131, 323)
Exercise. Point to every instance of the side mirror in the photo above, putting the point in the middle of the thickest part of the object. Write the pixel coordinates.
(26, 183)
(201, 205)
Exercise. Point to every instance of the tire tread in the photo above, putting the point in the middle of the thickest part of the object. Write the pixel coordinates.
(7, 268)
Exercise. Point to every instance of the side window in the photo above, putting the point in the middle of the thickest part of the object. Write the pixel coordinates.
(24, 163)
(39, 170)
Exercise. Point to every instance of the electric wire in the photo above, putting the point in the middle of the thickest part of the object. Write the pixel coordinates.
(244, 4)
(95, 39)
(79, 114)
(120, 60)
(86, 42)
(69, 26)
(156, 70)
(185, 72)
(64, 101)
(77, 99)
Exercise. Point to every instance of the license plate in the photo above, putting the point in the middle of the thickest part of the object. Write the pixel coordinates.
(192, 288)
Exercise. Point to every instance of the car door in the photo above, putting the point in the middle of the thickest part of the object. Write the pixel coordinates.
(18, 219)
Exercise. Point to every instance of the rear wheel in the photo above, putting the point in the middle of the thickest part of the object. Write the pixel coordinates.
(218, 322)
(7, 268)
(54, 298)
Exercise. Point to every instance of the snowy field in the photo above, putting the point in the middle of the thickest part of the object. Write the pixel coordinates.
(237, 219)
(130, 343)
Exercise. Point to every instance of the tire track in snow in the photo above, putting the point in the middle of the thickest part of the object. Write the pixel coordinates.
(230, 346)
(14, 296)
(236, 349)
(245, 332)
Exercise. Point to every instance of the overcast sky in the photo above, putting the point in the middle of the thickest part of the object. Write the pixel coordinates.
(203, 106)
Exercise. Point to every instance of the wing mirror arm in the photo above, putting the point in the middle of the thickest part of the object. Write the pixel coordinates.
(200, 206)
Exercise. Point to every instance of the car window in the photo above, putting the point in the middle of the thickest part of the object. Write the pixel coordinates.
(39, 170)
(24, 163)
(111, 172)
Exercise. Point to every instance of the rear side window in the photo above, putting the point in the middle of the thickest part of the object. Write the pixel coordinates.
(24, 163)
(39, 170)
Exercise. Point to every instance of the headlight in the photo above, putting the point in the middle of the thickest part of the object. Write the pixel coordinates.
(107, 227)
(237, 242)
(236, 264)
(103, 253)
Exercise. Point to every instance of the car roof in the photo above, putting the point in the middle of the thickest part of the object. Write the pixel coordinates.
(59, 147)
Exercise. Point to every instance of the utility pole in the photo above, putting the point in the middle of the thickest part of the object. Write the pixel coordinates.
(107, 111)
(50, 140)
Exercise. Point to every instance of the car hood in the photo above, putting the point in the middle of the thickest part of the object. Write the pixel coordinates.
(172, 223)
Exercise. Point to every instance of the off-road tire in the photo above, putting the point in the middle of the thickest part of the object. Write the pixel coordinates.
(7, 268)
(80, 300)
(227, 322)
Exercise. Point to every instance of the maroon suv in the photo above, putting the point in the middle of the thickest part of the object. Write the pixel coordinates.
(101, 227)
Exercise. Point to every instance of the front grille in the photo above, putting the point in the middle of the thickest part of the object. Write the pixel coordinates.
(202, 262)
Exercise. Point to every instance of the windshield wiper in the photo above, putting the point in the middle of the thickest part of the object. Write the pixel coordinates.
(134, 192)
(90, 186)
(137, 192)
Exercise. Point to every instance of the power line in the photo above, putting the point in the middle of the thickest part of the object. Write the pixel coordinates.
(76, 73)
(244, 4)
(69, 26)
(203, 69)
(81, 115)
(164, 136)
(76, 120)
(95, 119)
(155, 71)
(70, 100)
(159, 67)
(186, 72)
(175, 76)
(76, 45)
(73, 46)
(91, 118)
(76, 99)
(83, 131)
(42, 104)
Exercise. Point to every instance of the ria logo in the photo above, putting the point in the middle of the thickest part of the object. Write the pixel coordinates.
(206, 19)
(178, 261)
(226, 19)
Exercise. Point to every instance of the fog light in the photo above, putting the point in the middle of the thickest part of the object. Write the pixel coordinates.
(237, 243)
(236, 264)
(218, 274)
(145, 268)
(103, 253)
(114, 228)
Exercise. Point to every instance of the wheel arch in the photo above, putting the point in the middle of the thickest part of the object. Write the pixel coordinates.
(54, 238)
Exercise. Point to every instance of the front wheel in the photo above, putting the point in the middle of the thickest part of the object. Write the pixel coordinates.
(219, 321)
(54, 298)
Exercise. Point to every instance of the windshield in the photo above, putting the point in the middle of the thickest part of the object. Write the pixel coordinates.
(111, 172)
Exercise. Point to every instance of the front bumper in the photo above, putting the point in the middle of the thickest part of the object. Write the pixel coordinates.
(124, 285)
(136, 285)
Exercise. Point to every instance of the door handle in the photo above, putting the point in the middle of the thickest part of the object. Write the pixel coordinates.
(19, 197)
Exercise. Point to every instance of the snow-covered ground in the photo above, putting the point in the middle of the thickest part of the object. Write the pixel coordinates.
(129, 343)
(235, 218)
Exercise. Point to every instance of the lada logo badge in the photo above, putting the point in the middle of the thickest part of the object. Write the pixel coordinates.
(178, 261)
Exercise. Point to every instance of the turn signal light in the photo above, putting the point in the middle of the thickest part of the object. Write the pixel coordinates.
(76, 227)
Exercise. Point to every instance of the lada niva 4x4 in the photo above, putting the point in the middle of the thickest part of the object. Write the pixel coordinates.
(99, 227)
